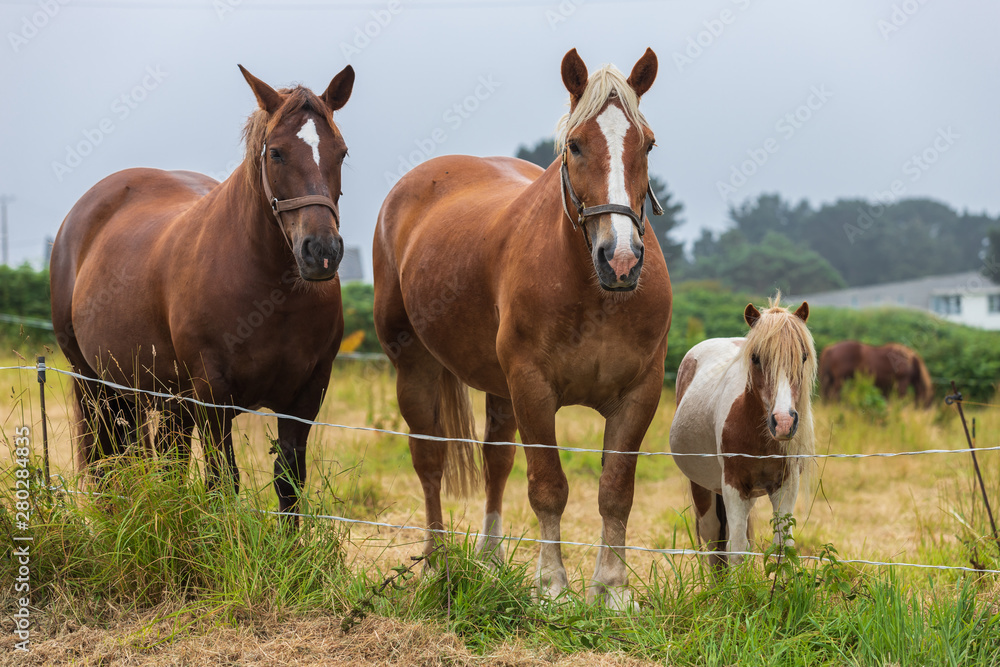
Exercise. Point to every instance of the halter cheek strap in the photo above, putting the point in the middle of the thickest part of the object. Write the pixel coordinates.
(583, 212)
(280, 205)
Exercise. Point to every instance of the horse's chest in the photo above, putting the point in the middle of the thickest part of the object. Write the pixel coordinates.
(746, 434)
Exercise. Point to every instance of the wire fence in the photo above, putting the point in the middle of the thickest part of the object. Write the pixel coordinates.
(41, 368)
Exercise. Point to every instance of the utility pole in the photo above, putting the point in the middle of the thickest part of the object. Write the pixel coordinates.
(3, 228)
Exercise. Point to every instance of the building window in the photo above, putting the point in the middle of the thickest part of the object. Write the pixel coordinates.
(950, 304)
(993, 304)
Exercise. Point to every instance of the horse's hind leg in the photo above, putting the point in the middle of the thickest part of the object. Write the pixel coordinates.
(498, 461)
(418, 381)
(711, 525)
(88, 452)
(110, 425)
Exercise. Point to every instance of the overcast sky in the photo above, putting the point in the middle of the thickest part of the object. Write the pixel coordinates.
(815, 100)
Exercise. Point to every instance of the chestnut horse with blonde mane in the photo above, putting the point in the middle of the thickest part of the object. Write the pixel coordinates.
(746, 396)
(895, 369)
(492, 273)
(224, 292)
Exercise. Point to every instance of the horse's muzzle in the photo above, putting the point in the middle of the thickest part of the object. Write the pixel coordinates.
(319, 258)
(784, 428)
(608, 276)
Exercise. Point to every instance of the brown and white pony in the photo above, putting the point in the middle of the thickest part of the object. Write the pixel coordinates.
(225, 292)
(745, 396)
(895, 368)
(489, 274)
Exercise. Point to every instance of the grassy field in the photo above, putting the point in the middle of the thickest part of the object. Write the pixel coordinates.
(174, 575)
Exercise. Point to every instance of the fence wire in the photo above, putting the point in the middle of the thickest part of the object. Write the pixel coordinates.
(433, 438)
(470, 534)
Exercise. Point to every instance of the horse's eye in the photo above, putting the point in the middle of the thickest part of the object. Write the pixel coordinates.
(275, 155)
(649, 148)
(573, 148)
(805, 355)
(755, 358)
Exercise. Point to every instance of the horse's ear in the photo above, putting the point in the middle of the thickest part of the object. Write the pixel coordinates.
(339, 90)
(574, 76)
(267, 97)
(644, 73)
(803, 311)
(751, 315)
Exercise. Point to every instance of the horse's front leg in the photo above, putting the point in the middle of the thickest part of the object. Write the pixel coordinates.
(737, 517)
(535, 407)
(290, 464)
(625, 428)
(783, 502)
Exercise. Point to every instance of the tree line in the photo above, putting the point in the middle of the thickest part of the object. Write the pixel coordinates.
(773, 243)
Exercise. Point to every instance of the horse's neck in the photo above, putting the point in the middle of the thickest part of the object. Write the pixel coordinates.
(253, 226)
(539, 212)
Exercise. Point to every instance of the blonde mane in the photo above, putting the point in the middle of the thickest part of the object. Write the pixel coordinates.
(602, 85)
(778, 339)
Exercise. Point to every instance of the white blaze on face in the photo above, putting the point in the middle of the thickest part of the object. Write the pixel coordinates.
(615, 125)
(308, 134)
(783, 407)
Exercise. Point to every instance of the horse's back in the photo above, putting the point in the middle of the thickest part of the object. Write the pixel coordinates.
(133, 200)
(437, 256)
(111, 235)
(440, 191)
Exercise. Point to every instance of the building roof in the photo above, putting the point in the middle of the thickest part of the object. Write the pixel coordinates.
(915, 293)
(350, 266)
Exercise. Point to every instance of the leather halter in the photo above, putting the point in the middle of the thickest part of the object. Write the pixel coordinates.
(280, 205)
(583, 212)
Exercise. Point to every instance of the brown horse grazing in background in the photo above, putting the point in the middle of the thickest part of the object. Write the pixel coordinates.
(896, 368)
(746, 396)
(489, 273)
(225, 292)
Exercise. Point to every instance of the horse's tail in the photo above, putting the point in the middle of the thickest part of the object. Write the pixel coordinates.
(461, 468)
(924, 389)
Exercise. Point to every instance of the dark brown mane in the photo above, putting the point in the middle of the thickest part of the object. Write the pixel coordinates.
(259, 126)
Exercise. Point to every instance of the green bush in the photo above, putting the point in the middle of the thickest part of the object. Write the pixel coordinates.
(951, 351)
(861, 394)
(24, 293)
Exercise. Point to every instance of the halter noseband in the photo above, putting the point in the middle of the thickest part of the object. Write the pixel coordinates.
(280, 205)
(583, 212)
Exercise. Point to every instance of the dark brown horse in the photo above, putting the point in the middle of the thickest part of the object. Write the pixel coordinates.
(492, 273)
(225, 292)
(895, 368)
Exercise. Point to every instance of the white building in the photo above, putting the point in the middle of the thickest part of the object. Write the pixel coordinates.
(965, 298)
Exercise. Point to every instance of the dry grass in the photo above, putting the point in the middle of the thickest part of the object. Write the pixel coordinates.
(302, 642)
(873, 508)
(887, 509)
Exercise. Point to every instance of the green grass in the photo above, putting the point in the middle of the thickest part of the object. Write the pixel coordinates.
(172, 545)
(170, 549)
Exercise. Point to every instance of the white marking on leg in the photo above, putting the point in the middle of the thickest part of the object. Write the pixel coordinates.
(308, 134)
(551, 574)
(615, 125)
(783, 502)
(737, 518)
(490, 544)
